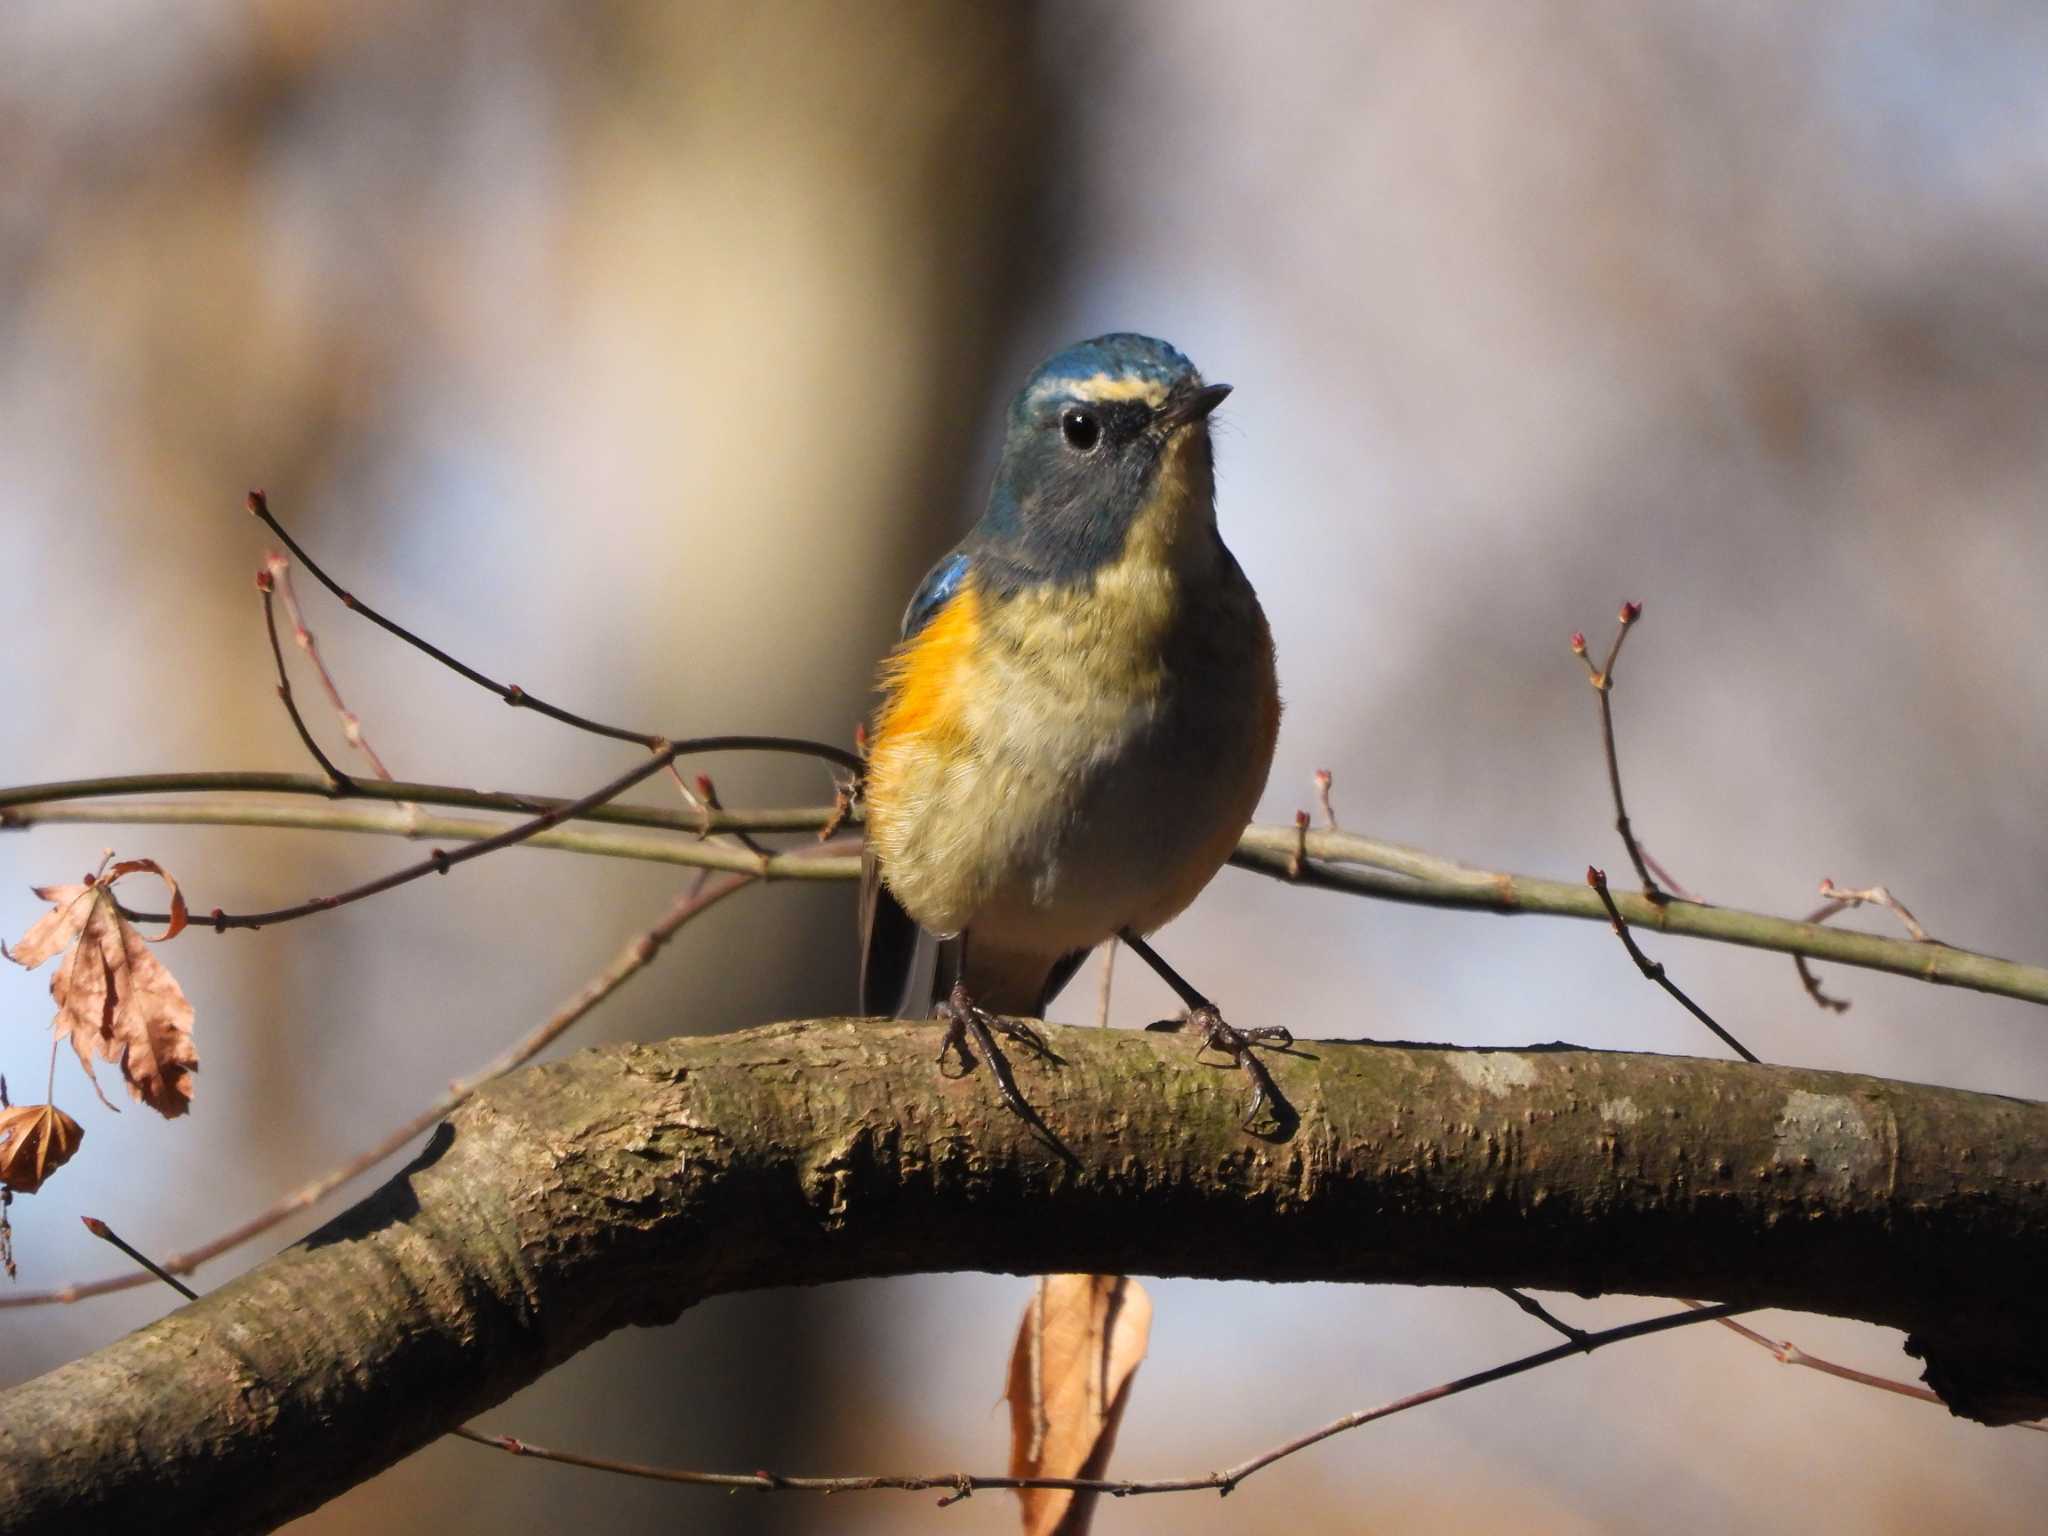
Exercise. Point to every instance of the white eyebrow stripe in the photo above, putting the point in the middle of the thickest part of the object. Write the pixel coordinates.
(1101, 388)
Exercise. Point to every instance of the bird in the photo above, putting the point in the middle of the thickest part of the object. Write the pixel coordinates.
(1078, 718)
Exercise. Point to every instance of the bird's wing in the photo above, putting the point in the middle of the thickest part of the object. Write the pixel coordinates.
(893, 949)
(939, 584)
(897, 958)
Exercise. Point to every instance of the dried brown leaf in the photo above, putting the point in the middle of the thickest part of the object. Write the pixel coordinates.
(70, 906)
(1070, 1376)
(115, 999)
(35, 1141)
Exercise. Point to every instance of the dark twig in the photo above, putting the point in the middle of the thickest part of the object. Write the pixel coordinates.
(958, 1485)
(338, 782)
(1598, 880)
(280, 572)
(106, 1233)
(1810, 978)
(1788, 1353)
(440, 861)
(1602, 679)
(1544, 1315)
(707, 796)
(512, 694)
(1671, 884)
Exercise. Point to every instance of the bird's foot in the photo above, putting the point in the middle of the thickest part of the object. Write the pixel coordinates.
(1215, 1033)
(965, 1017)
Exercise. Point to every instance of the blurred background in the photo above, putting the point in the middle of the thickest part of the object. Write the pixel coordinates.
(646, 354)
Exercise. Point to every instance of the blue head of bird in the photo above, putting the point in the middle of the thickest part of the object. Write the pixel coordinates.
(1107, 445)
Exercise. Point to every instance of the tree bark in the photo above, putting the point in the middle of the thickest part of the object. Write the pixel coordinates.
(628, 1182)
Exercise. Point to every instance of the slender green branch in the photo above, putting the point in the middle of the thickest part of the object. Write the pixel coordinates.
(1394, 872)
(393, 821)
(1328, 860)
(798, 819)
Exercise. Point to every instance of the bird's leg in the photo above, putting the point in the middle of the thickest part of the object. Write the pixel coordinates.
(1217, 1033)
(965, 1017)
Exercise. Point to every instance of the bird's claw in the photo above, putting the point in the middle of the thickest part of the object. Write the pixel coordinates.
(1226, 1039)
(965, 1017)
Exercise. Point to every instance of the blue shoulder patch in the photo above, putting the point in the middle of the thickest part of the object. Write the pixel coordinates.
(938, 586)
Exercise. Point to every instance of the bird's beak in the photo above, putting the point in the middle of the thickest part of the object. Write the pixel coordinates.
(1195, 405)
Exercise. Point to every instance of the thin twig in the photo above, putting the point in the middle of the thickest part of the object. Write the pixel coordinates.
(1108, 980)
(959, 1484)
(512, 694)
(1346, 862)
(706, 796)
(1322, 783)
(1671, 883)
(635, 957)
(1598, 880)
(1543, 1314)
(1788, 1353)
(1810, 979)
(338, 782)
(1876, 895)
(440, 861)
(280, 571)
(1602, 679)
(1841, 899)
(101, 1230)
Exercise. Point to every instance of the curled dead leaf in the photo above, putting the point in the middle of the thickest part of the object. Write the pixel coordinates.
(115, 999)
(1070, 1376)
(35, 1141)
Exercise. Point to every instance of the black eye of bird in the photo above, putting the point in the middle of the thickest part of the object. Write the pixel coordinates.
(1080, 428)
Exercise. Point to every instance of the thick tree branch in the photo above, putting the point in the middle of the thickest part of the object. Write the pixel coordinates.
(627, 1183)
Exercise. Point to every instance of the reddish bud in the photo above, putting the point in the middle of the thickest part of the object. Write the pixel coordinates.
(1301, 821)
(263, 581)
(1578, 642)
(705, 789)
(1630, 612)
(258, 503)
(94, 1225)
(1322, 778)
(1595, 877)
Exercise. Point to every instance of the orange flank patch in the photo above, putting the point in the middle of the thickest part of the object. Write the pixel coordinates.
(925, 679)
